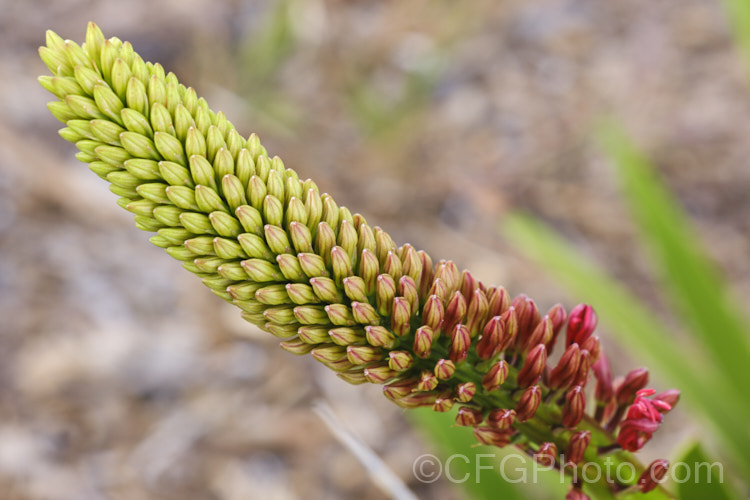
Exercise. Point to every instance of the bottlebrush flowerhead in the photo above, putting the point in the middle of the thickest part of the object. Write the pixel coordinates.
(310, 272)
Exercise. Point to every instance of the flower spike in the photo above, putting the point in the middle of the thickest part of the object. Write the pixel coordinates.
(329, 285)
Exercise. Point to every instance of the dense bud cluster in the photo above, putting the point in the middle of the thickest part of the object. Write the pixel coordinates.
(322, 279)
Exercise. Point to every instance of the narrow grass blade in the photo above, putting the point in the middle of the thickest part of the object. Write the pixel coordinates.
(699, 477)
(692, 280)
(738, 14)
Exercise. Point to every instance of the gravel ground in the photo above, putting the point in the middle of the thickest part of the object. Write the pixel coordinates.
(122, 377)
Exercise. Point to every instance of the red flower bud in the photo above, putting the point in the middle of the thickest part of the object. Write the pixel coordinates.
(577, 447)
(400, 388)
(546, 455)
(448, 273)
(653, 475)
(490, 343)
(581, 324)
(443, 403)
(423, 341)
(510, 321)
(468, 417)
(501, 419)
(427, 381)
(558, 316)
(401, 316)
(425, 280)
(533, 367)
(583, 368)
(385, 291)
(602, 372)
(444, 369)
(468, 283)
(575, 404)
(460, 342)
(379, 374)
(495, 376)
(432, 313)
(566, 370)
(634, 381)
(499, 301)
(400, 360)
(492, 437)
(593, 347)
(465, 391)
(541, 334)
(455, 311)
(528, 403)
(408, 290)
(576, 493)
(379, 336)
(671, 397)
(417, 400)
(528, 317)
(363, 354)
(477, 312)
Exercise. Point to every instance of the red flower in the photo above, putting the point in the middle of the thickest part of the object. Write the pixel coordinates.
(641, 421)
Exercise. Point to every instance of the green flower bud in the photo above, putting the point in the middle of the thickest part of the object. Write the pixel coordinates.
(301, 237)
(355, 289)
(311, 315)
(314, 334)
(277, 239)
(245, 166)
(365, 314)
(312, 265)
(154, 191)
(255, 246)
(380, 336)
(183, 121)
(301, 294)
(345, 335)
(326, 290)
(182, 196)
(87, 78)
(201, 245)
(250, 219)
(134, 121)
(232, 271)
(385, 292)
(108, 102)
(106, 131)
(223, 163)
(83, 107)
(161, 120)
(120, 76)
(273, 210)
(228, 249)
(290, 267)
(325, 240)
(142, 169)
(208, 200)
(139, 146)
(167, 214)
(169, 147)
(273, 295)
(256, 193)
(262, 271)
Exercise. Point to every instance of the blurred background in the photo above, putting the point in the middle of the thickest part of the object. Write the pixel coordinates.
(122, 377)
